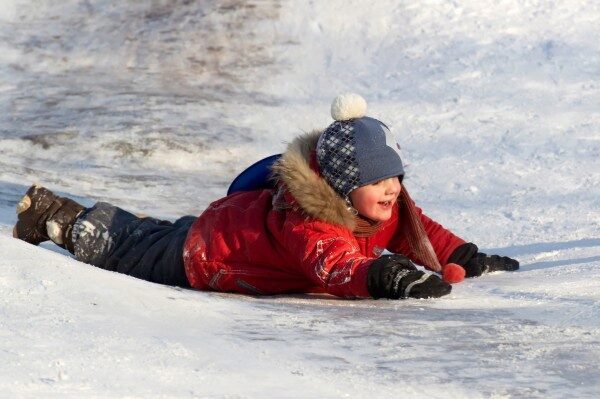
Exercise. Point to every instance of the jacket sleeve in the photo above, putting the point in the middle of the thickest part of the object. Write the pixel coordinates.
(329, 256)
(444, 242)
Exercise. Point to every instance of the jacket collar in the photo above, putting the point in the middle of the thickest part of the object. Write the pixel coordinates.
(311, 192)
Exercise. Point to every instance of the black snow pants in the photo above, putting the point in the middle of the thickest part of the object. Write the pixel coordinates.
(150, 249)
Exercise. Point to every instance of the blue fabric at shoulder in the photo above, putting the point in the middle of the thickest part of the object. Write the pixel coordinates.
(255, 177)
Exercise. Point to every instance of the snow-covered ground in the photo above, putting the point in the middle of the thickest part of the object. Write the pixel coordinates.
(156, 105)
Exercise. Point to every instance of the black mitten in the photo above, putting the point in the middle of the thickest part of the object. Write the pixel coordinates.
(496, 263)
(466, 256)
(395, 277)
(476, 263)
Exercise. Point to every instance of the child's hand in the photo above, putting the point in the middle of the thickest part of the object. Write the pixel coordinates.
(395, 277)
(476, 263)
(482, 263)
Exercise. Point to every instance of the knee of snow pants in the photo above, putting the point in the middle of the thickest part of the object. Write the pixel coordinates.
(150, 249)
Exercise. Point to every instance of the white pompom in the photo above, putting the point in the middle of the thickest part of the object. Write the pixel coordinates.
(348, 106)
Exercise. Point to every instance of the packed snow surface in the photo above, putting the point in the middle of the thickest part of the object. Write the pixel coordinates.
(157, 105)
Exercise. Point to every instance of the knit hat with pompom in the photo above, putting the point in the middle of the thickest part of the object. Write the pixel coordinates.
(356, 150)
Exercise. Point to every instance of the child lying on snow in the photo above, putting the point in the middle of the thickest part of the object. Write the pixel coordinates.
(337, 203)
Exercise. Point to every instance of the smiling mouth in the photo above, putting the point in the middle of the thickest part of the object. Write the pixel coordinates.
(385, 203)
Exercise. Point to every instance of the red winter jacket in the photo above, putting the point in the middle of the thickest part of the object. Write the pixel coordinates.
(298, 238)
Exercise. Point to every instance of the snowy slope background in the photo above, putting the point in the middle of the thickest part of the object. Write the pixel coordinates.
(157, 105)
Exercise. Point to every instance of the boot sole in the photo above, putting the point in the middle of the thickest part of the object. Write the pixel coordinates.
(22, 206)
(22, 231)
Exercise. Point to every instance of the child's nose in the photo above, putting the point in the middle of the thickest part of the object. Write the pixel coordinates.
(392, 185)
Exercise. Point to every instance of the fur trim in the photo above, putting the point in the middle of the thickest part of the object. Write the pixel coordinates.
(316, 198)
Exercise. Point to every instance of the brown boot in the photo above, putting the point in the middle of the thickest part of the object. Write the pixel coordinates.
(42, 215)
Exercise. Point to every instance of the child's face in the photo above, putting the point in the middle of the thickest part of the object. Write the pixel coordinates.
(375, 201)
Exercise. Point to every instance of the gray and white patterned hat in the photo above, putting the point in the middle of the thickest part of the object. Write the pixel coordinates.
(356, 150)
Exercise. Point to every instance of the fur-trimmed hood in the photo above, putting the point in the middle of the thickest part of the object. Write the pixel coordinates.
(312, 193)
(320, 201)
